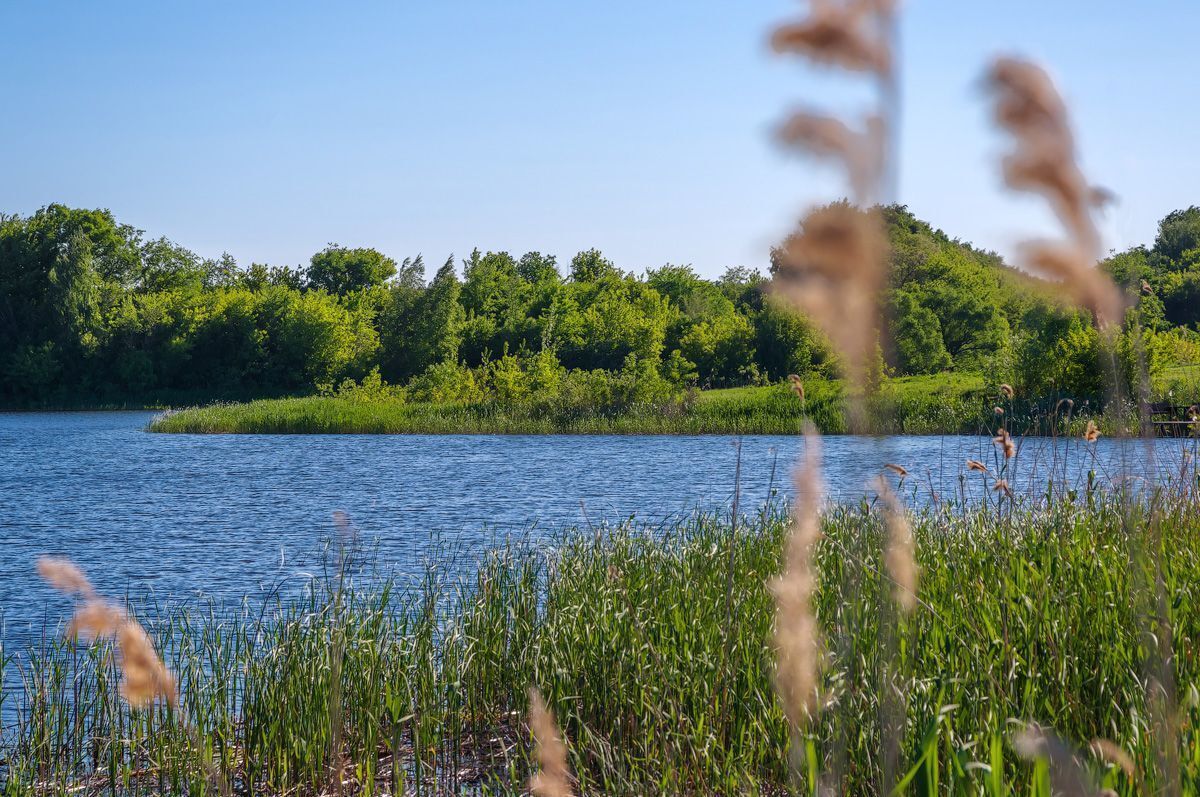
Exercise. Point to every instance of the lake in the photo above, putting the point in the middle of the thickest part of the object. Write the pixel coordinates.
(182, 517)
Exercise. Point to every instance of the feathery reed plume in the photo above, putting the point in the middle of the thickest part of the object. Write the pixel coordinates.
(553, 778)
(998, 411)
(1005, 441)
(831, 270)
(974, 464)
(901, 557)
(96, 619)
(64, 576)
(838, 33)
(1068, 776)
(1007, 391)
(146, 677)
(797, 634)
(861, 153)
(797, 386)
(1092, 433)
(1113, 753)
(1044, 162)
(899, 470)
(1001, 486)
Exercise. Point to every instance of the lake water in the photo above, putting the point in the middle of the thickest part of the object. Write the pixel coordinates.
(182, 516)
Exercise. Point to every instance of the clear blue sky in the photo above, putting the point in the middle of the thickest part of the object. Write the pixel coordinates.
(268, 129)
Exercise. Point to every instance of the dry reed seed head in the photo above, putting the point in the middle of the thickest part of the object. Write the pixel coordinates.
(1146, 287)
(843, 34)
(1113, 753)
(1086, 284)
(974, 464)
(797, 633)
(1031, 109)
(901, 556)
(96, 619)
(146, 678)
(797, 386)
(831, 269)
(553, 778)
(1007, 391)
(899, 470)
(1001, 486)
(998, 410)
(1045, 166)
(861, 153)
(1005, 441)
(1092, 433)
(1026, 99)
(64, 576)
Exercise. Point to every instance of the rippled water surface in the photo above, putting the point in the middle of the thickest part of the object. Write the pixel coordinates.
(179, 516)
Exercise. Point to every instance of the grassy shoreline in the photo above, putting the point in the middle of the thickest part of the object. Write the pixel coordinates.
(1026, 614)
(913, 405)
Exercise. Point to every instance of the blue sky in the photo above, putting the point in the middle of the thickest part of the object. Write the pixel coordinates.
(268, 129)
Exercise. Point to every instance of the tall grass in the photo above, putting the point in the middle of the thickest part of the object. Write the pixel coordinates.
(947, 404)
(654, 649)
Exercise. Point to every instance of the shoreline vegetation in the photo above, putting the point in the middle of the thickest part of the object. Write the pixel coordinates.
(943, 404)
(102, 317)
(1028, 610)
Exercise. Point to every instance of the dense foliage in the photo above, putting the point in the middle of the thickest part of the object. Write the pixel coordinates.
(93, 312)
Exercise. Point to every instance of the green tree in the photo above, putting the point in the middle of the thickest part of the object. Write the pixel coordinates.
(340, 270)
(1178, 233)
(591, 266)
(917, 336)
(535, 267)
(420, 329)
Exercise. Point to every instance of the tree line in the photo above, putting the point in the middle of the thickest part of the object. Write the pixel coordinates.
(93, 311)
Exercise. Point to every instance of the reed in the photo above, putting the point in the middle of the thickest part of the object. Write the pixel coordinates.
(1029, 614)
(943, 404)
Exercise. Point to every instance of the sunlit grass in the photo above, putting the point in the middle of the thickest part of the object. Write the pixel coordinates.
(944, 403)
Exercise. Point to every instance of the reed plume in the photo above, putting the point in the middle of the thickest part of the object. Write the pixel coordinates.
(144, 676)
(1044, 162)
(553, 778)
(1113, 753)
(96, 619)
(797, 386)
(844, 34)
(901, 558)
(832, 268)
(1092, 433)
(64, 576)
(974, 464)
(797, 633)
(1004, 440)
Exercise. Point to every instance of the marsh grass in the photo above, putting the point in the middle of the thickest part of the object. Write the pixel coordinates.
(1030, 614)
(943, 404)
